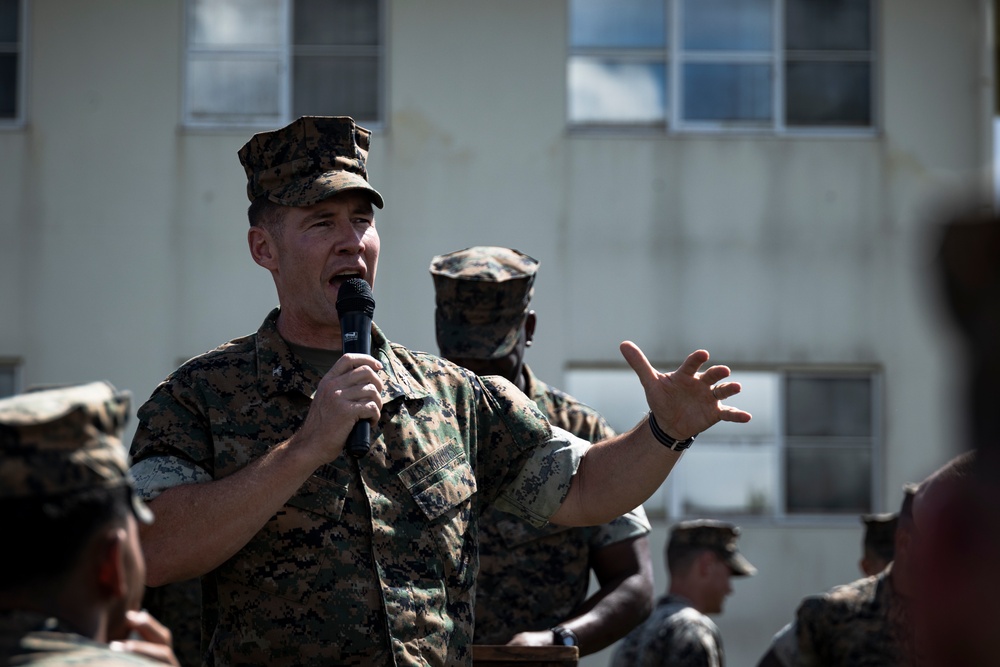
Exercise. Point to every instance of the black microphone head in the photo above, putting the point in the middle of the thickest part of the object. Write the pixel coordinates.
(355, 296)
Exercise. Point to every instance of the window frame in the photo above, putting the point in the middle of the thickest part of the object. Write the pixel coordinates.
(19, 120)
(285, 53)
(665, 501)
(673, 57)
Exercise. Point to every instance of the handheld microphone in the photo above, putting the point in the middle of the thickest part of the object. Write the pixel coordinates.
(355, 306)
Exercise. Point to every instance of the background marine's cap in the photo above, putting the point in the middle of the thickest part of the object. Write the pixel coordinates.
(308, 160)
(64, 440)
(482, 295)
(718, 536)
(880, 531)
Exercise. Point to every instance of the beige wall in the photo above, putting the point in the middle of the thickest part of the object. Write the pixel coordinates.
(125, 242)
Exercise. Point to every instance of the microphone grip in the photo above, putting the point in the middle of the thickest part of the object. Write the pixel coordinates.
(356, 334)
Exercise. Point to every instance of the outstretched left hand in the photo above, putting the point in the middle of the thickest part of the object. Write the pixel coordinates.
(685, 402)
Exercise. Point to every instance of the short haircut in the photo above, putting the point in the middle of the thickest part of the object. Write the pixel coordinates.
(680, 557)
(263, 212)
(51, 532)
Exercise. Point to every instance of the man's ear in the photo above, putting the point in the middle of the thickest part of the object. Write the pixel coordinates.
(263, 248)
(112, 581)
(529, 327)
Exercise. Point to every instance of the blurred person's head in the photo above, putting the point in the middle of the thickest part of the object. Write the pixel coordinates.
(701, 557)
(482, 318)
(879, 542)
(956, 552)
(64, 481)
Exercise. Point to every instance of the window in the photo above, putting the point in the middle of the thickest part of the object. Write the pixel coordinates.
(266, 62)
(11, 60)
(10, 378)
(775, 65)
(811, 448)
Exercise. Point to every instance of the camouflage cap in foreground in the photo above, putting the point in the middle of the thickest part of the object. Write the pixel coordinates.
(719, 536)
(482, 295)
(64, 440)
(308, 160)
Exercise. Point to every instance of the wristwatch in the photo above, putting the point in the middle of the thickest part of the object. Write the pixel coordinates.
(564, 636)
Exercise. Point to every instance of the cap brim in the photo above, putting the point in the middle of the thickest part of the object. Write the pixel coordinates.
(141, 510)
(309, 191)
(740, 566)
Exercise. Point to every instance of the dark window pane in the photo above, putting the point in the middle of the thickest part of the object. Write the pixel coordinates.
(8, 85)
(617, 23)
(727, 92)
(335, 87)
(825, 93)
(604, 91)
(336, 22)
(828, 25)
(10, 23)
(7, 387)
(828, 479)
(826, 406)
(727, 25)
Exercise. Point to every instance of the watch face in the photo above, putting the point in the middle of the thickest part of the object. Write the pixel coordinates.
(564, 637)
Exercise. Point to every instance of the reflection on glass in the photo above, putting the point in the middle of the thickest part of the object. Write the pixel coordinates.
(829, 406)
(843, 25)
(233, 89)
(335, 87)
(616, 394)
(336, 22)
(719, 479)
(828, 479)
(609, 91)
(828, 93)
(727, 92)
(235, 23)
(727, 25)
(617, 23)
(10, 22)
(8, 85)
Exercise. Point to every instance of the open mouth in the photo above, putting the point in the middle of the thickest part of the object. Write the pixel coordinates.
(341, 278)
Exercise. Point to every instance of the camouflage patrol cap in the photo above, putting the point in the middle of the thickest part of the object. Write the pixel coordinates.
(880, 531)
(308, 160)
(482, 295)
(64, 440)
(718, 536)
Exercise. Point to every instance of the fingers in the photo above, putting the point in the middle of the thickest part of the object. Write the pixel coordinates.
(638, 362)
(694, 361)
(147, 627)
(731, 414)
(715, 374)
(726, 390)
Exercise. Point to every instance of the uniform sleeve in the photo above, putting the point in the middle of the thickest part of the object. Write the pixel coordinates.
(543, 482)
(785, 646)
(173, 423)
(627, 526)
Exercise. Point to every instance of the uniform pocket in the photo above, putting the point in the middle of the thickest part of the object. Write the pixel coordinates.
(441, 481)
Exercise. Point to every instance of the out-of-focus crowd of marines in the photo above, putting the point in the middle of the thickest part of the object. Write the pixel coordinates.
(73, 589)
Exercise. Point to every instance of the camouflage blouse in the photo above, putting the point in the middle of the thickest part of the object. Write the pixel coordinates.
(851, 625)
(374, 560)
(533, 578)
(28, 638)
(675, 635)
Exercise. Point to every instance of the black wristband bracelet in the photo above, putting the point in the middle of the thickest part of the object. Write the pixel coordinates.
(672, 444)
